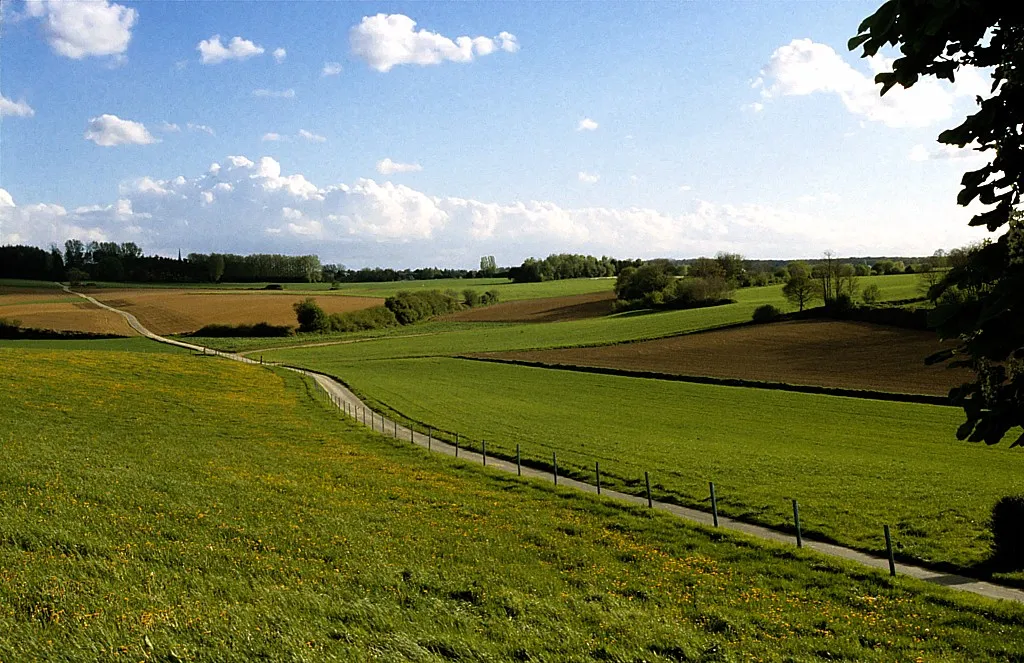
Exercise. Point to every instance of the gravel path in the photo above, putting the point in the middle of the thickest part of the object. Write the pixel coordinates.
(345, 400)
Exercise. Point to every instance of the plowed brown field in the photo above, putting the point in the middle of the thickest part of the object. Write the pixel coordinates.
(181, 311)
(849, 355)
(553, 309)
(53, 309)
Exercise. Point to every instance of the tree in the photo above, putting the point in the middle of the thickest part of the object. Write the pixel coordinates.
(799, 289)
(215, 267)
(74, 253)
(488, 267)
(634, 283)
(834, 282)
(981, 302)
(310, 316)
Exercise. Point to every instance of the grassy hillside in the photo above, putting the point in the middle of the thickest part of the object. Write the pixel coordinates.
(854, 464)
(173, 508)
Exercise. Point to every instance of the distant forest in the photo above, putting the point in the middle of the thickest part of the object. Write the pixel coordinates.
(109, 261)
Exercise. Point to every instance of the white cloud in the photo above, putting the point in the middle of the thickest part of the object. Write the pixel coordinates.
(755, 107)
(169, 127)
(272, 137)
(200, 127)
(15, 108)
(331, 69)
(586, 124)
(804, 67)
(388, 167)
(212, 51)
(311, 137)
(84, 29)
(942, 152)
(110, 130)
(685, 187)
(588, 178)
(388, 40)
(279, 55)
(274, 94)
(241, 205)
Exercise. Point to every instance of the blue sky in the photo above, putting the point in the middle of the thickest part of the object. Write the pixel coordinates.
(629, 129)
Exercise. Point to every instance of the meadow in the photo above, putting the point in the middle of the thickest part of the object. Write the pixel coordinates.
(854, 464)
(169, 507)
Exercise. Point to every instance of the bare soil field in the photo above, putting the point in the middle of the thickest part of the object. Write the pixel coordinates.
(553, 309)
(182, 311)
(50, 309)
(825, 353)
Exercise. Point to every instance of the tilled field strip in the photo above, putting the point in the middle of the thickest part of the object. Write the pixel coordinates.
(344, 399)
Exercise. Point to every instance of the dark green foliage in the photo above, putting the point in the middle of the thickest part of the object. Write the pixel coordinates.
(9, 328)
(412, 307)
(936, 39)
(492, 296)
(634, 283)
(310, 316)
(75, 276)
(766, 313)
(258, 330)
(377, 317)
(470, 297)
(1008, 532)
(273, 286)
(30, 262)
(562, 266)
(799, 290)
(694, 292)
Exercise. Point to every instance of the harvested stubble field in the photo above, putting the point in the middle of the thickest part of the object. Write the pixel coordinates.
(549, 309)
(166, 311)
(167, 507)
(48, 308)
(824, 353)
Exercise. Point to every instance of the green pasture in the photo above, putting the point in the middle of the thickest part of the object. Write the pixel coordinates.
(853, 464)
(159, 507)
(128, 344)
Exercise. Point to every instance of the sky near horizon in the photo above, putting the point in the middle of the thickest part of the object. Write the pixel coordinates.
(413, 134)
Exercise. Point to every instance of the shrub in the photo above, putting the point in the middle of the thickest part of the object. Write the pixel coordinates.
(273, 286)
(701, 291)
(10, 328)
(470, 298)
(843, 303)
(411, 307)
(258, 330)
(634, 283)
(766, 313)
(75, 276)
(492, 296)
(310, 316)
(871, 294)
(1008, 532)
(377, 317)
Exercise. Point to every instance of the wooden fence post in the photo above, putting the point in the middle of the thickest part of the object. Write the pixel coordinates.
(519, 463)
(597, 471)
(888, 549)
(714, 503)
(796, 520)
(483, 445)
(554, 465)
(456, 445)
(647, 480)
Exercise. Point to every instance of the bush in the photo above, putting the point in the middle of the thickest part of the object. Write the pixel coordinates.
(75, 276)
(411, 307)
(273, 286)
(701, 291)
(633, 283)
(258, 330)
(377, 317)
(766, 313)
(10, 328)
(871, 294)
(843, 303)
(470, 298)
(1008, 532)
(310, 316)
(492, 296)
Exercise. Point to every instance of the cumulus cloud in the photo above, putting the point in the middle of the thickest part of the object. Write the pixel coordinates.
(385, 41)
(311, 137)
(279, 55)
(331, 69)
(804, 67)
(202, 128)
(586, 124)
(272, 137)
(388, 167)
(84, 29)
(274, 94)
(942, 152)
(110, 130)
(212, 51)
(245, 205)
(588, 178)
(15, 108)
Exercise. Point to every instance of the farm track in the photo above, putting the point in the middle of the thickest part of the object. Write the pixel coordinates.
(342, 398)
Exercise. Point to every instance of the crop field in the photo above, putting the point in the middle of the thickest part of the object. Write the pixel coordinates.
(548, 309)
(829, 353)
(854, 464)
(179, 311)
(171, 507)
(49, 308)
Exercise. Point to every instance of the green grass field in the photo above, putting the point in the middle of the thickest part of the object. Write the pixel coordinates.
(854, 464)
(163, 507)
(131, 344)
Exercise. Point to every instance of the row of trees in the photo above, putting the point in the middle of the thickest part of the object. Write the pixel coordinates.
(566, 266)
(403, 308)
